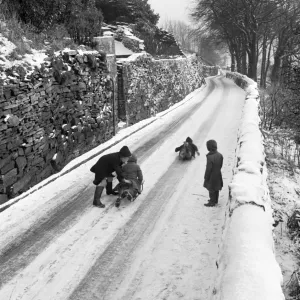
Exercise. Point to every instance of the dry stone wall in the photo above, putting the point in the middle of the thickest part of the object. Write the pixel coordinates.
(210, 70)
(51, 116)
(151, 86)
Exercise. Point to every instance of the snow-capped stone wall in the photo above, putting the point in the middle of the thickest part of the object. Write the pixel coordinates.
(247, 268)
(51, 116)
(151, 86)
(209, 70)
(140, 37)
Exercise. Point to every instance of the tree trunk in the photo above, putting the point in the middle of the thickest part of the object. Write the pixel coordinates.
(276, 69)
(238, 58)
(263, 73)
(244, 61)
(282, 44)
(268, 59)
(233, 62)
(252, 70)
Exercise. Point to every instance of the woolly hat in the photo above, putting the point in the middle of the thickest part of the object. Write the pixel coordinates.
(132, 158)
(211, 145)
(124, 152)
(189, 140)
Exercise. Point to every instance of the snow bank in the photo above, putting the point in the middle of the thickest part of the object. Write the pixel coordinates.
(247, 268)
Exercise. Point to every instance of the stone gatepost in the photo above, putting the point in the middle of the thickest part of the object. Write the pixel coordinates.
(107, 44)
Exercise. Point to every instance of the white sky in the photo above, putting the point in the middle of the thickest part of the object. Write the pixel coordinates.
(171, 9)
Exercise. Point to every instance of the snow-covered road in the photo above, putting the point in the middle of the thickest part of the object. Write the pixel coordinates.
(55, 245)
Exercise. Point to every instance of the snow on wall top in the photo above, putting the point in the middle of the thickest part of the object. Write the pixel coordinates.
(121, 49)
(121, 32)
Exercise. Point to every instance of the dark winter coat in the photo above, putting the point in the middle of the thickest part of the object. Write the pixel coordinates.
(214, 161)
(193, 147)
(133, 172)
(106, 165)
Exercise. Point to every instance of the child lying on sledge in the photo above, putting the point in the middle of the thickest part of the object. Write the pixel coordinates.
(188, 149)
(132, 184)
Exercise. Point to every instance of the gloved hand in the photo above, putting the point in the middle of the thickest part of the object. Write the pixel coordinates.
(198, 153)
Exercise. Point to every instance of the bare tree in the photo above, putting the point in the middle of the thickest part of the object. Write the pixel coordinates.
(198, 40)
(240, 23)
(287, 39)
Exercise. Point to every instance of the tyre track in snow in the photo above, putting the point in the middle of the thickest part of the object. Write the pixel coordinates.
(22, 251)
(117, 256)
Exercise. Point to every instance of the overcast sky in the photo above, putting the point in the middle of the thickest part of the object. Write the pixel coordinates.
(171, 9)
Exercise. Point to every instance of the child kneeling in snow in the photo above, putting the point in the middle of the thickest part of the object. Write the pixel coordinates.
(133, 181)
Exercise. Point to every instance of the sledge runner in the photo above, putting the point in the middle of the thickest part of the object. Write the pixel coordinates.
(134, 179)
(103, 169)
(187, 150)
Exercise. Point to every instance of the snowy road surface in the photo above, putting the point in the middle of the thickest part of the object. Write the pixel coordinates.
(55, 245)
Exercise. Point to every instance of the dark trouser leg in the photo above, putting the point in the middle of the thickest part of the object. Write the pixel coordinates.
(217, 196)
(109, 190)
(213, 197)
(97, 196)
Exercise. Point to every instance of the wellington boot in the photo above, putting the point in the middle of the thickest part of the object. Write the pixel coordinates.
(98, 192)
(109, 189)
(210, 204)
(118, 202)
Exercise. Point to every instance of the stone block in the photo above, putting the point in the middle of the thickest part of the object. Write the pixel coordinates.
(82, 86)
(10, 177)
(46, 172)
(21, 163)
(27, 150)
(5, 161)
(3, 127)
(7, 167)
(38, 161)
(21, 183)
(7, 94)
(12, 120)
(3, 198)
(21, 151)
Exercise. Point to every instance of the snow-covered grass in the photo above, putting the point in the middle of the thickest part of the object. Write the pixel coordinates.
(285, 195)
(247, 265)
(20, 45)
(283, 144)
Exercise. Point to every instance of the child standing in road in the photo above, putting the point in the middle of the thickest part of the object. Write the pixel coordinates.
(213, 181)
